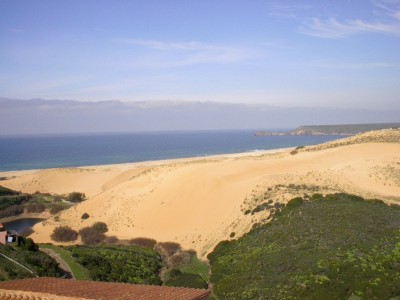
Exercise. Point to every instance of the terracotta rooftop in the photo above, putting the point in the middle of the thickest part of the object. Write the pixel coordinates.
(54, 288)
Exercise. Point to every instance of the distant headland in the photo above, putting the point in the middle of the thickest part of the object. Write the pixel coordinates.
(346, 129)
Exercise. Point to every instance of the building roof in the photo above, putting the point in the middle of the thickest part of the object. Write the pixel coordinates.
(55, 288)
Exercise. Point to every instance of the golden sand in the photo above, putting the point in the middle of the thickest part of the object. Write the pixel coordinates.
(201, 201)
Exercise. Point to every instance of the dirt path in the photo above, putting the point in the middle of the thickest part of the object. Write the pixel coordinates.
(61, 262)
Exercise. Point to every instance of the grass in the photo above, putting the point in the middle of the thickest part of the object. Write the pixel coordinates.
(198, 267)
(331, 247)
(78, 271)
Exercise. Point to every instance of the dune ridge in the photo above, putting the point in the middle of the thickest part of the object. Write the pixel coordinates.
(201, 201)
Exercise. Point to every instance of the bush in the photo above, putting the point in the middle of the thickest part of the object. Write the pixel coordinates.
(91, 236)
(170, 248)
(100, 227)
(111, 240)
(76, 197)
(6, 191)
(179, 279)
(56, 208)
(143, 242)
(64, 234)
(12, 210)
(295, 202)
(85, 216)
(27, 244)
(35, 208)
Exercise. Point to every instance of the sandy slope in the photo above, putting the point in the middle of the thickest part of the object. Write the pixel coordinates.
(198, 202)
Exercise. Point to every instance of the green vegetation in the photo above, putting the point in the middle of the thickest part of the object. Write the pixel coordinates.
(177, 278)
(25, 252)
(119, 263)
(78, 271)
(7, 192)
(76, 197)
(13, 203)
(346, 128)
(94, 234)
(333, 247)
(64, 234)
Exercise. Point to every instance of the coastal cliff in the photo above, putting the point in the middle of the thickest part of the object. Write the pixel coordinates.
(348, 129)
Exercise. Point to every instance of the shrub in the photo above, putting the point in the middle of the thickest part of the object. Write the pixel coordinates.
(12, 210)
(170, 248)
(232, 235)
(143, 242)
(191, 252)
(293, 152)
(111, 240)
(35, 208)
(64, 234)
(27, 244)
(6, 191)
(295, 202)
(179, 279)
(85, 216)
(91, 236)
(56, 208)
(100, 227)
(76, 197)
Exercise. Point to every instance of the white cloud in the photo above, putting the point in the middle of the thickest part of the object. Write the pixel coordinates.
(177, 54)
(331, 28)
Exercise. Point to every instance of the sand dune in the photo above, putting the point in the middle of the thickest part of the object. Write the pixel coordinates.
(198, 202)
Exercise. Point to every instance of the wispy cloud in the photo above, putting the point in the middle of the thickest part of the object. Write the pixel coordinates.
(331, 28)
(176, 54)
(349, 66)
(279, 9)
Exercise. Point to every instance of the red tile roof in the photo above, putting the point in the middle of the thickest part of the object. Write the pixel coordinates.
(55, 288)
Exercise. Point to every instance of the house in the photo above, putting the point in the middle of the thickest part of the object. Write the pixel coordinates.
(7, 236)
(68, 289)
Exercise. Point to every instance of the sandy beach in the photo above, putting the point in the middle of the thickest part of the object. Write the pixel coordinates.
(198, 202)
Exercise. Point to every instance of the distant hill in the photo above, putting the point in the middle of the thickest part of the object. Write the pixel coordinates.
(38, 116)
(345, 129)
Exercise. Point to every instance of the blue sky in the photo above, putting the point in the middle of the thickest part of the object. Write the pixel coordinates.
(343, 53)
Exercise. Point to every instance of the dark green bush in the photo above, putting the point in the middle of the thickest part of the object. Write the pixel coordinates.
(76, 197)
(143, 242)
(35, 208)
(170, 248)
(179, 279)
(7, 192)
(55, 208)
(295, 202)
(64, 234)
(100, 227)
(91, 236)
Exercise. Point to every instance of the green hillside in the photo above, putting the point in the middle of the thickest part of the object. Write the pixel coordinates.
(346, 129)
(334, 247)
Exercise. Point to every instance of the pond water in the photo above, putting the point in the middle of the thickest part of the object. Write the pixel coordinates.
(19, 225)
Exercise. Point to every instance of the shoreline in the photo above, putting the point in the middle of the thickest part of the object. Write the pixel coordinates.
(150, 163)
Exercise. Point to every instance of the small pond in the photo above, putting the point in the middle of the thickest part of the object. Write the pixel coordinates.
(19, 225)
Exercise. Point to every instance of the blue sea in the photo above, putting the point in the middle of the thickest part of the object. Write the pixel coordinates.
(40, 152)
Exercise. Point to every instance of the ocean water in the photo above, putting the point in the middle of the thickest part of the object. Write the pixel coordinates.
(39, 152)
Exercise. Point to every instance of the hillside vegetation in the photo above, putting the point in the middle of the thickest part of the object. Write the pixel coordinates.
(25, 252)
(13, 203)
(345, 129)
(333, 247)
